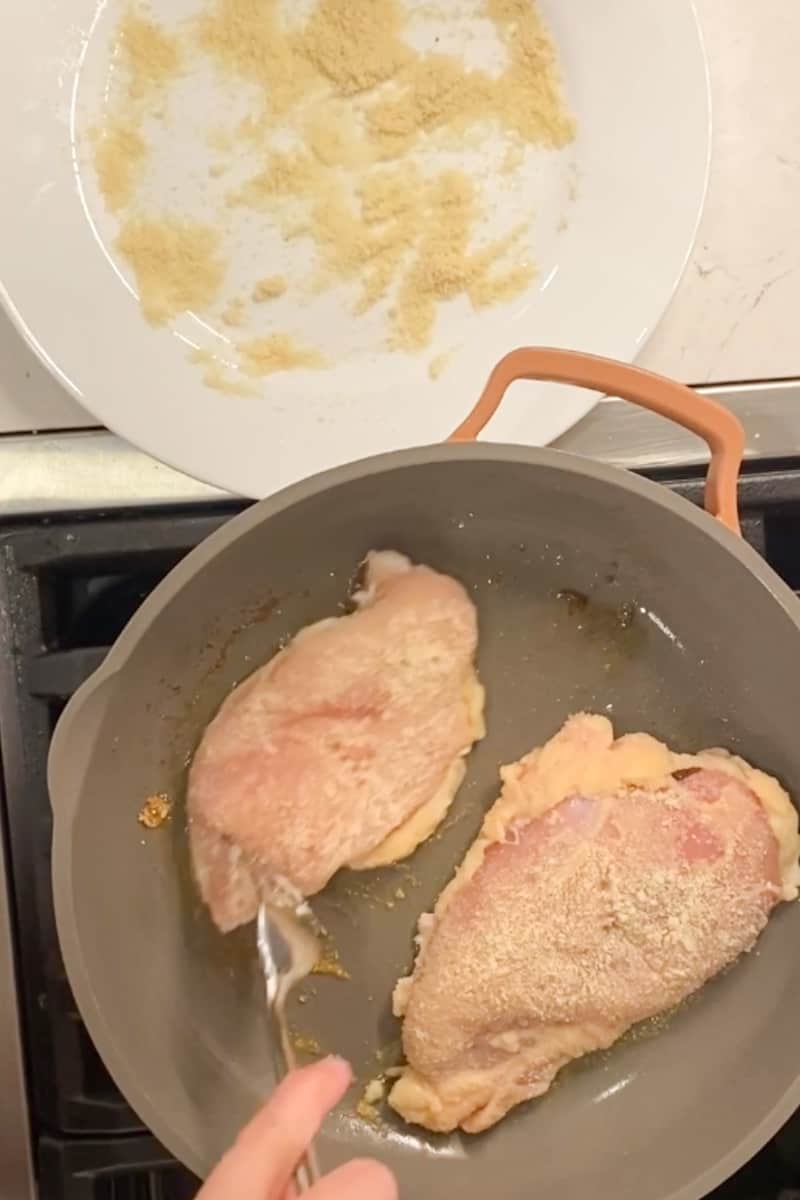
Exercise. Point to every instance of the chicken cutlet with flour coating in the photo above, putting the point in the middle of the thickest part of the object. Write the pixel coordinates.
(610, 880)
(346, 749)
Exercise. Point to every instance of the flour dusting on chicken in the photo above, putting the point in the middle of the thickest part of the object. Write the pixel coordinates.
(611, 879)
(346, 749)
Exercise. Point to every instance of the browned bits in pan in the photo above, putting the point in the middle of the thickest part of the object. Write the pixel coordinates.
(304, 1043)
(330, 964)
(155, 810)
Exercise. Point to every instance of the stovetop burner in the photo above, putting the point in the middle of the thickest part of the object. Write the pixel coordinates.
(67, 587)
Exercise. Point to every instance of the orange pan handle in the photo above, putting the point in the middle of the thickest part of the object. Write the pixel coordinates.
(709, 420)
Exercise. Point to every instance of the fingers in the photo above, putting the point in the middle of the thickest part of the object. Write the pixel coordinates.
(262, 1160)
(360, 1179)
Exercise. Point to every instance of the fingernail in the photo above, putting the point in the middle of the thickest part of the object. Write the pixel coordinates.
(336, 1060)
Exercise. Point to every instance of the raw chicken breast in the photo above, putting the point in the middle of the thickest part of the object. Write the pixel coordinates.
(610, 880)
(346, 749)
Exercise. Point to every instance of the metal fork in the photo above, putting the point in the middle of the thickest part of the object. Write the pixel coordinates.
(288, 948)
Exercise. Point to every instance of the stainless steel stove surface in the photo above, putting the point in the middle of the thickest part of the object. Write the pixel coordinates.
(68, 584)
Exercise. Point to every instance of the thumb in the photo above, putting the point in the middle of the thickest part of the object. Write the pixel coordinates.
(262, 1160)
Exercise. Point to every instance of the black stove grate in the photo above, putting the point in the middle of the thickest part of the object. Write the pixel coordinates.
(114, 1168)
(67, 588)
(68, 585)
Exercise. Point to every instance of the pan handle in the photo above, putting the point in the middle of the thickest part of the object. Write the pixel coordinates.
(709, 420)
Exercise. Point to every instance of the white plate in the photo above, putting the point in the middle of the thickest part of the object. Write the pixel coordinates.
(636, 80)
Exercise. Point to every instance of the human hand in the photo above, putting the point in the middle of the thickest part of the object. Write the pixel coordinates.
(262, 1160)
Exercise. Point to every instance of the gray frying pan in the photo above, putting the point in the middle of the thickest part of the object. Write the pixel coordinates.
(596, 590)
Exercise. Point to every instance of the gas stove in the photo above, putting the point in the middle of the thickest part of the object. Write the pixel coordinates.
(67, 587)
(69, 581)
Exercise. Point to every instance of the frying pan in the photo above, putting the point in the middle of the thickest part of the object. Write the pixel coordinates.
(596, 590)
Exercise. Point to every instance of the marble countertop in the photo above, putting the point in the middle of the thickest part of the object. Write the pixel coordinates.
(733, 316)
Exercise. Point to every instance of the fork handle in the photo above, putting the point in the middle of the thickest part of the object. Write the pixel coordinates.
(307, 1171)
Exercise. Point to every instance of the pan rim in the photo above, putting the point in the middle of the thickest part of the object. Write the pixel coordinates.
(64, 803)
(440, 452)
